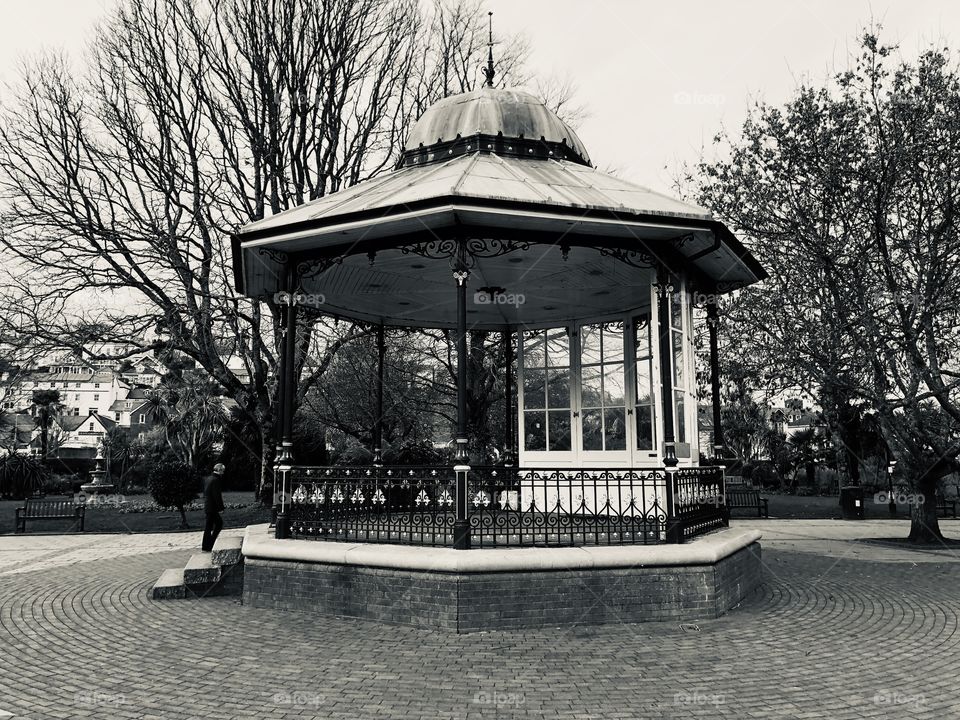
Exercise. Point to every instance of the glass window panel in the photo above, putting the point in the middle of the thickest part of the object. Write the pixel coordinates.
(678, 415)
(535, 430)
(589, 344)
(644, 384)
(559, 429)
(590, 387)
(558, 388)
(612, 342)
(644, 427)
(641, 334)
(678, 364)
(592, 429)
(533, 390)
(533, 348)
(615, 429)
(613, 385)
(676, 306)
(558, 347)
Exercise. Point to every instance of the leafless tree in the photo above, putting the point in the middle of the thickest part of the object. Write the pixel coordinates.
(120, 184)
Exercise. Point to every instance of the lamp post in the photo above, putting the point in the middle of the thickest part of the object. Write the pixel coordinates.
(892, 504)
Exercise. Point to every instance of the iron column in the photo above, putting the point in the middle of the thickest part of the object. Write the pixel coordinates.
(508, 454)
(378, 427)
(285, 461)
(713, 322)
(664, 292)
(461, 525)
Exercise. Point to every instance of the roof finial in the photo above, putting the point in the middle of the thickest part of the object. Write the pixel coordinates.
(489, 71)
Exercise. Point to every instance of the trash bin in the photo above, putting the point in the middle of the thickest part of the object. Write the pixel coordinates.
(851, 502)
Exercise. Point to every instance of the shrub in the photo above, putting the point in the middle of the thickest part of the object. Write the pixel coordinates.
(356, 454)
(173, 484)
(22, 476)
(765, 475)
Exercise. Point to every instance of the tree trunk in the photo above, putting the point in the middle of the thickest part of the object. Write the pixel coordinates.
(183, 518)
(924, 525)
(267, 449)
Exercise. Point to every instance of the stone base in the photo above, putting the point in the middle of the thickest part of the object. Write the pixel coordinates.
(476, 590)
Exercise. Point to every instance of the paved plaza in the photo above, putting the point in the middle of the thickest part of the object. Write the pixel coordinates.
(841, 628)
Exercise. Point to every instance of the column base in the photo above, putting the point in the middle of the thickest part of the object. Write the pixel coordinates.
(461, 535)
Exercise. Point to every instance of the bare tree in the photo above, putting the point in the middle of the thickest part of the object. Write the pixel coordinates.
(191, 118)
(847, 194)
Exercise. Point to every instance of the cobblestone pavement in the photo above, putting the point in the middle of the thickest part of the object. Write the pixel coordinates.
(829, 635)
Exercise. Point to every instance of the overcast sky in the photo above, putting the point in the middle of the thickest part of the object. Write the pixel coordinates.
(659, 78)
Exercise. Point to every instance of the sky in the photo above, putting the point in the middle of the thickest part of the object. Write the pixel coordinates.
(659, 79)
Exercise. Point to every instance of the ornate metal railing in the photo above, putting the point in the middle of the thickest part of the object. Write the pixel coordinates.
(563, 506)
(408, 505)
(508, 507)
(699, 500)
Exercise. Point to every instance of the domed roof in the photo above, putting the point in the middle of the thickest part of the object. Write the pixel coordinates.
(493, 112)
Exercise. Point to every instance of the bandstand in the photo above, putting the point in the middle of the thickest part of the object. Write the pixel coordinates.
(495, 219)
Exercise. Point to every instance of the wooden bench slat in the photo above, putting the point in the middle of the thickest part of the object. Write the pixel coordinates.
(49, 510)
(738, 497)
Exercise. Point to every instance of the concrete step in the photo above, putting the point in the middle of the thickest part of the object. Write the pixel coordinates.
(170, 585)
(226, 551)
(200, 570)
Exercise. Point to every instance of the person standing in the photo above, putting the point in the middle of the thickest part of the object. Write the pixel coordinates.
(213, 506)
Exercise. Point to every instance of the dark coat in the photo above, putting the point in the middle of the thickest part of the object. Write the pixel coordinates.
(212, 494)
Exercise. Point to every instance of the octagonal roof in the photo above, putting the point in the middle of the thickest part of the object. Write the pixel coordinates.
(498, 169)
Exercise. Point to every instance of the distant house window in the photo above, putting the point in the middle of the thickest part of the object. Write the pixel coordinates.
(96, 385)
(76, 411)
(116, 416)
(76, 385)
(76, 396)
(91, 411)
(143, 418)
(91, 426)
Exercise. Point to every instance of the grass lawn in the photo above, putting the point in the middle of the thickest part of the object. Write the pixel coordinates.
(110, 519)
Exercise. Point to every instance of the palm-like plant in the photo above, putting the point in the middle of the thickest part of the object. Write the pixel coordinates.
(803, 447)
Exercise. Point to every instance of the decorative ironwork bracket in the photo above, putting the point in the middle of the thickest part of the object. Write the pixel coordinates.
(277, 256)
(465, 252)
(634, 258)
(317, 266)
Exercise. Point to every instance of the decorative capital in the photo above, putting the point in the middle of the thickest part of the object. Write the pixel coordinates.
(461, 276)
(664, 290)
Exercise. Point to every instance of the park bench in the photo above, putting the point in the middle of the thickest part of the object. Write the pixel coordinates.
(49, 510)
(741, 496)
(946, 508)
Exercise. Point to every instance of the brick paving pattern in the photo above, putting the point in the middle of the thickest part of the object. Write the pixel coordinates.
(861, 633)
